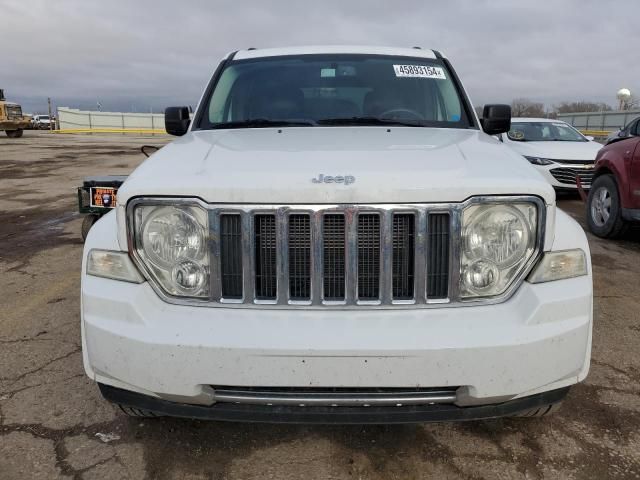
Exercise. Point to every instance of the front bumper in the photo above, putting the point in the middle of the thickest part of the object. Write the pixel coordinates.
(539, 340)
(335, 415)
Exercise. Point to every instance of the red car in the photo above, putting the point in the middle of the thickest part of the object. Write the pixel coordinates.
(614, 198)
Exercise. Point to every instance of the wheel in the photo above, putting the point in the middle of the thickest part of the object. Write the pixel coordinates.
(540, 411)
(87, 223)
(604, 213)
(14, 133)
(137, 412)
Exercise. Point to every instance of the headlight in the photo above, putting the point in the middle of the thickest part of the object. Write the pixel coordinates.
(539, 160)
(497, 242)
(171, 241)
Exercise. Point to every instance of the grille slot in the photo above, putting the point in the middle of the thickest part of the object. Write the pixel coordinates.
(265, 255)
(438, 256)
(368, 256)
(403, 256)
(231, 256)
(299, 257)
(333, 257)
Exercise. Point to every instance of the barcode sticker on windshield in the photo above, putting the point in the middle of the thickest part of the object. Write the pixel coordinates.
(419, 71)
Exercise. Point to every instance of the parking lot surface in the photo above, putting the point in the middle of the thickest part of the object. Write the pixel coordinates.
(53, 422)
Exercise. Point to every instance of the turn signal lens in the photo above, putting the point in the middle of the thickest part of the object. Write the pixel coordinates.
(560, 265)
(114, 265)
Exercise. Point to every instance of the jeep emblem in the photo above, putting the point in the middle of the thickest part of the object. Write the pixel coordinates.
(346, 179)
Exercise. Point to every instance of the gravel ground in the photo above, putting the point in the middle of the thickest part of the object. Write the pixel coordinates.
(51, 414)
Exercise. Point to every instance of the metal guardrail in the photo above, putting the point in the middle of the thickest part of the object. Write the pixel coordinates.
(608, 122)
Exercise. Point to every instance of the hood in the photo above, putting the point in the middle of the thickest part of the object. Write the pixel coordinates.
(585, 151)
(388, 165)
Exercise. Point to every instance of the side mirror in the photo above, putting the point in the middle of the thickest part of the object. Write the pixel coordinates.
(590, 138)
(496, 119)
(177, 120)
(622, 134)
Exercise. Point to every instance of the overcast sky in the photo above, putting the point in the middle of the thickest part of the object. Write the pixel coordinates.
(148, 54)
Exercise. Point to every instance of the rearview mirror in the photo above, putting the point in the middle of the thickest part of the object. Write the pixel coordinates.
(496, 119)
(177, 120)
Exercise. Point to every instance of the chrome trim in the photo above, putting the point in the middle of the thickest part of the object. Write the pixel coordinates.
(350, 212)
(333, 399)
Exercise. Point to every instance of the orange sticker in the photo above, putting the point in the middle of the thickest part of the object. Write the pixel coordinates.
(103, 197)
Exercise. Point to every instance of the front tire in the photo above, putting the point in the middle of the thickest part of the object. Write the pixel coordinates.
(604, 212)
(14, 133)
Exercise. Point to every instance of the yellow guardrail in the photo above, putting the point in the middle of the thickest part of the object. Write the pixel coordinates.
(595, 133)
(133, 131)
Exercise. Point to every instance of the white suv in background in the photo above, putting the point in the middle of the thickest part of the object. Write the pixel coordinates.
(557, 150)
(41, 122)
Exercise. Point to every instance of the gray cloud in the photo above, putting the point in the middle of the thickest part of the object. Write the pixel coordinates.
(147, 54)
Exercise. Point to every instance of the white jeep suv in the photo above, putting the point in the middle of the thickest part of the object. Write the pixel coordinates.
(335, 237)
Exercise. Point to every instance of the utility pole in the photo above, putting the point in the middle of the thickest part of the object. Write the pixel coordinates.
(50, 122)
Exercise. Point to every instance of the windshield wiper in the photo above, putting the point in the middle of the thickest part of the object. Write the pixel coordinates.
(263, 123)
(367, 121)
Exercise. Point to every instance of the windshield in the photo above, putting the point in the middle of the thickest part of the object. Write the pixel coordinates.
(544, 132)
(335, 90)
(13, 110)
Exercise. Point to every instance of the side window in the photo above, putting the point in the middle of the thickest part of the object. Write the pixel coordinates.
(636, 128)
(220, 102)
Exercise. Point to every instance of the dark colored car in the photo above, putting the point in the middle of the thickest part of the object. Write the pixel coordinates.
(625, 132)
(614, 198)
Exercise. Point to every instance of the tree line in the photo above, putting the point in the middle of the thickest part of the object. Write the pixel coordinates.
(523, 107)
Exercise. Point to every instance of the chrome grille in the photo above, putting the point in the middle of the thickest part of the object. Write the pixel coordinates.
(330, 256)
(568, 175)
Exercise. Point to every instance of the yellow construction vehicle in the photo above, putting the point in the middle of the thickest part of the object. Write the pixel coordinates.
(12, 121)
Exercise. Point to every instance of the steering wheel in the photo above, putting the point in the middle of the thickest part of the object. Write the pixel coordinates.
(392, 114)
